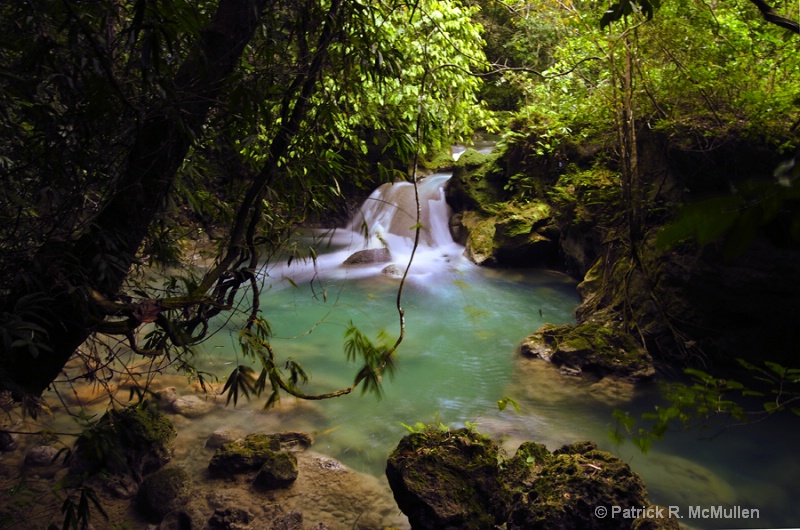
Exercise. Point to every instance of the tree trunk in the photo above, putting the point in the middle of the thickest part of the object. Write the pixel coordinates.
(73, 274)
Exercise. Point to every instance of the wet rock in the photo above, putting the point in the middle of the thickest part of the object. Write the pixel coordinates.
(295, 440)
(563, 489)
(42, 456)
(190, 406)
(590, 348)
(135, 441)
(7, 442)
(393, 271)
(223, 436)
(250, 453)
(371, 255)
(279, 471)
(460, 479)
(163, 492)
(243, 456)
(446, 480)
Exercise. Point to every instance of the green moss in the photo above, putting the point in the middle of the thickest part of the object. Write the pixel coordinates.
(471, 159)
(245, 455)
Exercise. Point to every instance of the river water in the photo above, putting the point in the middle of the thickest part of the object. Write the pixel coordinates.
(463, 324)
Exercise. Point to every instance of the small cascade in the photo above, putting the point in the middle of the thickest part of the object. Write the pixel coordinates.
(388, 217)
(387, 220)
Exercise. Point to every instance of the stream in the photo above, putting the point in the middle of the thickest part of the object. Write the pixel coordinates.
(462, 326)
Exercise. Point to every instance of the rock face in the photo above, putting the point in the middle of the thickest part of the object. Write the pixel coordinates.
(496, 232)
(460, 479)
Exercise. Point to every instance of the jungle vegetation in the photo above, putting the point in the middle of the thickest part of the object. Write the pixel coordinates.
(130, 127)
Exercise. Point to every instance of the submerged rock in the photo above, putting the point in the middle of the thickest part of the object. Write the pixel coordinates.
(279, 471)
(371, 255)
(254, 451)
(164, 491)
(190, 406)
(223, 436)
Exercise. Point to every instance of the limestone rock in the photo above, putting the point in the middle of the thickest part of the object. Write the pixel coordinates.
(42, 456)
(371, 255)
(222, 436)
(590, 347)
(243, 456)
(446, 480)
(138, 440)
(164, 491)
(460, 479)
(279, 471)
(563, 489)
(250, 453)
(190, 406)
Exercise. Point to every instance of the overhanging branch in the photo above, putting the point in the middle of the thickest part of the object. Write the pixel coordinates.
(771, 16)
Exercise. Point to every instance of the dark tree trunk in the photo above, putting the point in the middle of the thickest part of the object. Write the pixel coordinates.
(74, 274)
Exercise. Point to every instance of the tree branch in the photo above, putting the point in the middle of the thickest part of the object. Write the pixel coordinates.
(772, 17)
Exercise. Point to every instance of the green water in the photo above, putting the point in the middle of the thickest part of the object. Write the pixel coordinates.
(463, 324)
(455, 362)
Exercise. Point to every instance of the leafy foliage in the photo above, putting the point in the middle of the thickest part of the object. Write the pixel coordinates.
(705, 399)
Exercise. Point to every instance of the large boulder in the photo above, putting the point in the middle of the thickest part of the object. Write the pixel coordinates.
(592, 348)
(164, 491)
(460, 479)
(563, 490)
(512, 235)
(130, 442)
(446, 480)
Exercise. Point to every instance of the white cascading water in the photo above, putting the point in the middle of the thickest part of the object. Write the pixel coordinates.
(387, 219)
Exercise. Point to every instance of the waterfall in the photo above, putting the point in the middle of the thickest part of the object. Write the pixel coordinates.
(384, 225)
(389, 215)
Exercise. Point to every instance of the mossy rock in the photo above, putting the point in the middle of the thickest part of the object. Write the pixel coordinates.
(133, 441)
(164, 491)
(511, 236)
(278, 471)
(446, 480)
(477, 181)
(567, 486)
(460, 479)
(593, 348)
(471, 158)
(245, 455)
(480, 244)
